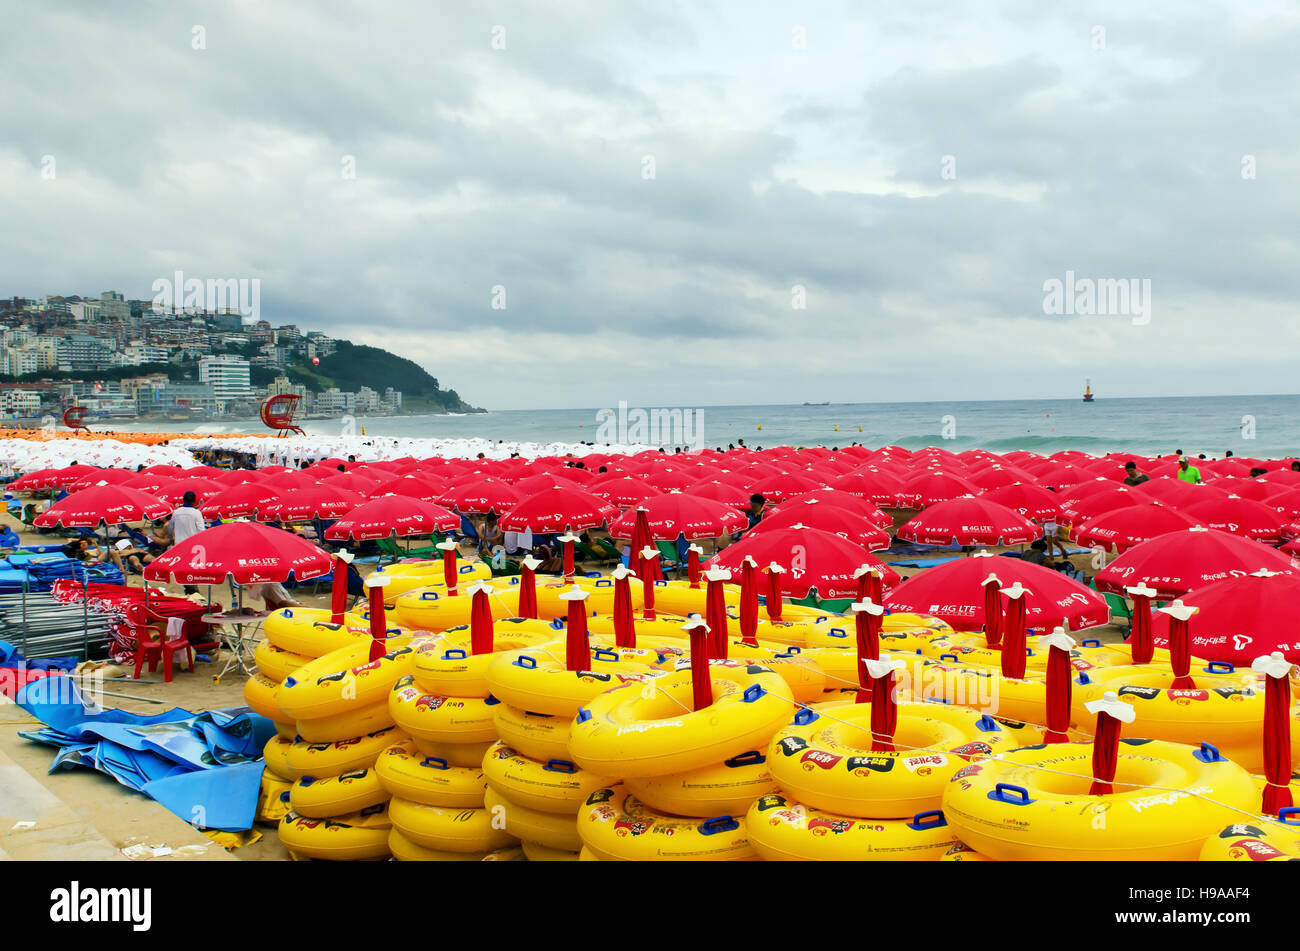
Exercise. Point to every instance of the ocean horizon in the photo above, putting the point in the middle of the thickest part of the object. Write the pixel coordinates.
(1262, 425)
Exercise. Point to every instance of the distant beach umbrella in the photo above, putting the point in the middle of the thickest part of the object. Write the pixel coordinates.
(1123, 528)
(247, 552)
(826, 517)
(392, 515)
(1031, 501)
(480, 495)
(239, 501)
(314, 501)
(1239, 516)
(675, 513)
(558, 509)
(811, 559)
(927, 487)
(969, 521)
(623, 491)
(1099, 499)
(104, 504)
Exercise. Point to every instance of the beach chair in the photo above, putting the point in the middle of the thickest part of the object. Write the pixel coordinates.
(669, 559)
(1119, 610)
(390, 548)
(610, 549)
(591, 553)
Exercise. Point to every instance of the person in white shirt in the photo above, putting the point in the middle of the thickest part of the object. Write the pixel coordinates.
(185, 523)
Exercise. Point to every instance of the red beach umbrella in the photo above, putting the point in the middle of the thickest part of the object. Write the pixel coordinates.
(1124, 528)
(828, 518)
(719, 491)
(174, 492)
(844, 500)
(1239, 516)
(1098, 501)
(1033, 502)
(927, 487)
(1182, 561)
(119, 476)
(320, 500)
(1240, 618)
(812, 559)
(480, 495)
(240, 501)
(248, 552)
(969, 521)
(676, 513)
(106, 504)
(558, 509)
(623, 491)
(954, 592)
(392, 515)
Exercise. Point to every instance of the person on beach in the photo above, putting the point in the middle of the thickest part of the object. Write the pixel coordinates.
(1188, 472)
(757, 505)
(1132, 476)
(185, 523)
(273, 595)
(1295, 466)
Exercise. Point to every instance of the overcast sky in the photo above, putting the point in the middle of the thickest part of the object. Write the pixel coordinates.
(806, 145)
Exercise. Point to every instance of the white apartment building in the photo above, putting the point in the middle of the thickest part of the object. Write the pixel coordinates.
(228, 376)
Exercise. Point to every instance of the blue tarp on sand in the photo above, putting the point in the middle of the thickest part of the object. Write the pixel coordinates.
(204, 767)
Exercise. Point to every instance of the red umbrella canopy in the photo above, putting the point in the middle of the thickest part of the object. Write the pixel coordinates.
(623, 491)
(423, 487)
(118, 476)
(33, 481)
(969, 521)
(479, 495)
(240, 501)
(245, 551)
(392, 515)
(558, 509)
(1032, 501)
(174, 491)
(843, 500)
(782, 485)
(827, 518)
(1239, 516)
(929, 486)
(1178, 562)
(876, 485)
(545, 480)
(1126, 527)
(1105, 497)
(668, 478)
(111, 504)
(1282, 477)
(361, 484)
(1177, 493)
(811, 559)
(718, 491)
(994, 477)
(1238, 619)
(68, 474)
(676, 513)
(150, 482)
(954, 593)
(236, 476)
(321, 500)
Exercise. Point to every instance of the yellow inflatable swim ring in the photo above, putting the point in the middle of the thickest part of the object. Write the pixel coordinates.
(650, 729)
(350, 838)
(555, 785)
(276, 754)
(536, 852)
(449, 830)
(1224, 709)
(1035, 803)
(1256, 839)
(332, 759)
(455, 754)
(337, 795)
(616, 826)
(825, 759)
(259, 696)
(783, 830)
(537, 680)
(426, 716)
(961, 852)
(537, 735)
(404, 850)
(532, 825)
(436, 609)
(309, 632)
(276, 664)
(448, 666)
(345, 726)
(429, 573)
(729, 788)
(408, 774)
(343, 680)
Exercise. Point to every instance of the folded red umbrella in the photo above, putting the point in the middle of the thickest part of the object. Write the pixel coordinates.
(248, 552)
(1184, 560)
(1123, 528)
(392, 515)
(811, 559)
(954, 592)
(969, 521)
(676, 513)
(107, 504)
(558, 509)
(1240, 618)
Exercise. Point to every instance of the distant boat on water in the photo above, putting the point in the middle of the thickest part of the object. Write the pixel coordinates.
(827, 403)
(1087, 391)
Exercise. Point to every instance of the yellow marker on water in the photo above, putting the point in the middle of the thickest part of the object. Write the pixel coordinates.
(760, 425)
(859, 429)
(837, 427)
